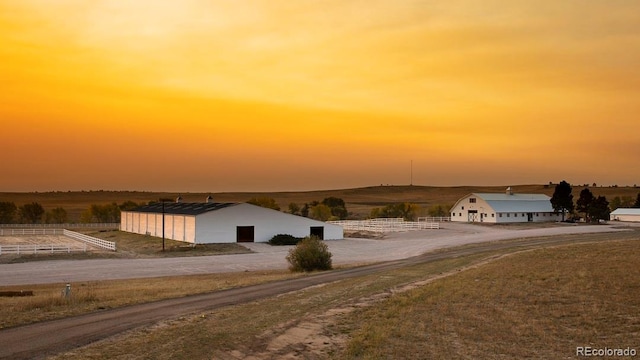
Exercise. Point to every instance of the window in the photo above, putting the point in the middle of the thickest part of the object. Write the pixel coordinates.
(460, 214)
(453, 214)
(472, 200)
(508, 215)
(493, 215)
(463, 208)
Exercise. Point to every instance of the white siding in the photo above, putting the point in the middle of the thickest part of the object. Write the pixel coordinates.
(178, 227)
(190, 229)
(473, 208)
(221, 226)
(626, 217)
(464, 210)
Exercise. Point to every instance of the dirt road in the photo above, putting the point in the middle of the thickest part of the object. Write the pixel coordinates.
(42, 339)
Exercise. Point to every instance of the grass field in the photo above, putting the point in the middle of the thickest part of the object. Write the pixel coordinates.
(534, 304)
(538, 304)
(359, 201)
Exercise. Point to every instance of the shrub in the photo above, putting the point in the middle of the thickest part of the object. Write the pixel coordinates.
(284, 239)
(310, 254)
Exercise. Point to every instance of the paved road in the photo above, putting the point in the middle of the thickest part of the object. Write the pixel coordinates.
(43, 339)
(348, 251)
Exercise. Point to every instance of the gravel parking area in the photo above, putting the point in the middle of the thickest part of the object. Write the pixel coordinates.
(348, 251)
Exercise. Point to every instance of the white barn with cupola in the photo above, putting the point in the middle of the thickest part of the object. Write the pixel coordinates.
(210, 222)
(504, 208)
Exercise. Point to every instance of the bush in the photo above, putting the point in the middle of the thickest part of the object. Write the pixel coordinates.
(310, 254)
(284, 239)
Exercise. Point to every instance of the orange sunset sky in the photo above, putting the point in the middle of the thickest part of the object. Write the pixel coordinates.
(266, 95)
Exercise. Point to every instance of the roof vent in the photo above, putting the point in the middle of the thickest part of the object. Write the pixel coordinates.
(509, 191)
(209, 199)
(179, 199)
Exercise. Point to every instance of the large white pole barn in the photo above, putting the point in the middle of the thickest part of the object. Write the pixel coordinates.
(204, 223)
(626, 214)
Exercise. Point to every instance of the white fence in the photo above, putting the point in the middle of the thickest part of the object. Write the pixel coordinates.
(10, 232)
(64, 226)
(35, 249)
(436, 219)
(385, 225)
(109, 245)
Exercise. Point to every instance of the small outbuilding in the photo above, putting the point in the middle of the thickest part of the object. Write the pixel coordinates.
(504, 208)
(210, 222)
(626, 214)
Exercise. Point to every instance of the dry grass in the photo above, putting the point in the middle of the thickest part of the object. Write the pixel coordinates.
(254, 329)
(48, 302)
(534, 304)
(537, 304)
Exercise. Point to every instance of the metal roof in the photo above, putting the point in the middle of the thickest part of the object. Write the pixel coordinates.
(626, 211)
(503, 203)
(180, 208)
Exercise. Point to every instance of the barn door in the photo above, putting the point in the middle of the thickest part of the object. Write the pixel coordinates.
(317, 231)
(245, 234)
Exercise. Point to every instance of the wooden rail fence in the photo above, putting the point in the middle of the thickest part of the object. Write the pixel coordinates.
(109, 245)
(64, 226)
(10, 232)
(385, 225)
(40, 248)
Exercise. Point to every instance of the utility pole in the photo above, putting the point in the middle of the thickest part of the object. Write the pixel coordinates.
(411, 181)
(162, 225)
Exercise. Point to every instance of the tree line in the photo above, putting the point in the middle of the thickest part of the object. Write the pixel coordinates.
(334, 208)
(588, 206)
(34, 213)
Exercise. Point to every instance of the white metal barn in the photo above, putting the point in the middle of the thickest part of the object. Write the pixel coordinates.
(204, 223)
(504, 208)
(626, 214)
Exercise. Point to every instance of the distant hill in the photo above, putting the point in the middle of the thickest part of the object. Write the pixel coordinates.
(359, 201)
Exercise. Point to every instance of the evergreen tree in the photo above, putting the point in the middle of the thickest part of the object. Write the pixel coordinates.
(7, 212)
(599, 209)
(637, 204)
(584, 202)
(562, 199)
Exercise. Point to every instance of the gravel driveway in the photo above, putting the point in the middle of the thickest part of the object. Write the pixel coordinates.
(348, 251)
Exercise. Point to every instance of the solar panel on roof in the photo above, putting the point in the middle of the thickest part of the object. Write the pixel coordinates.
(182, 208)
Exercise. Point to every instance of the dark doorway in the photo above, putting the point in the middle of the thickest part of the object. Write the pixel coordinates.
(529, 217)
(317, 231)
(245, 233)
